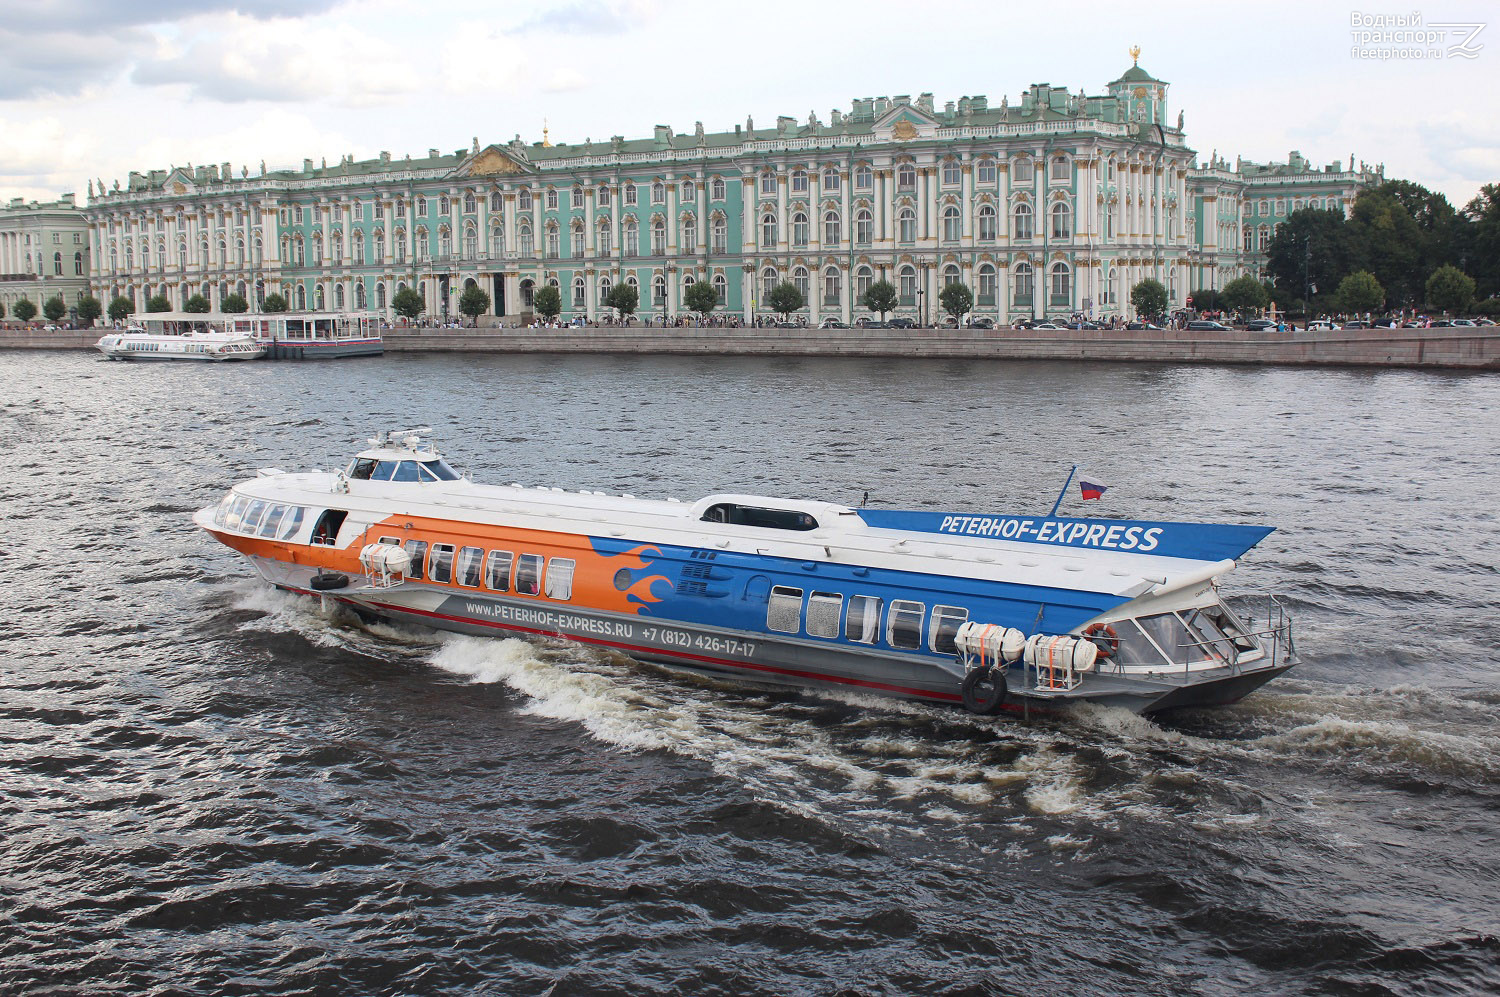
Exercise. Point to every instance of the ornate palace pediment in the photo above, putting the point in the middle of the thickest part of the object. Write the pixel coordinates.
(903, 123)
(180, 182)
(491, 161)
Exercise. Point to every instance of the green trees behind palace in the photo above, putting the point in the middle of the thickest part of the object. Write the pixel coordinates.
(701, 297)
(623, 298)
(474, 302)
(1399, 235)
(407, 303)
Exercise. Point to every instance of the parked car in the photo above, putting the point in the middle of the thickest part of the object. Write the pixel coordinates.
(901, 323)
(1044, 325)
(1141, 327)
(832, 323)
(948, 323)
(1462, 323)
(982, 323)
(1261, 325)
(1205, 325)
(1322, 325)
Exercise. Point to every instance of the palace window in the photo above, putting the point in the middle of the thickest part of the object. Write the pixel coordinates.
(689, 234)
(906, 222)
(864, 227)
(554, 243)
(659, 290)
(578, 241)
(658, 238)
(603, 196)
(523, 199)
(987, 226)
(799, 182)
(1061, 170)
(604, 237)
(908, 279)
(721, 288)
(1024, 171)
(987, 283)
(952, 227)
(658, 193)
(952, 175)
(524, 243)
(864, 178)
(1061, 285)
(1062, 221)
(497, 240)
(630, 195)
(687, 190)
(800, 281)
(987, 172)
(469, 205)
(445, 206)
(577, 197)
(717, 190)
(768, 182)
(799, 230)
(831, 227)
(768, 231)
(830, 180)
(1023, 226)
(551, 198)
(578, 291)
(630, 238)
(767, 282)
(906, 177)
(831, 286)
(720, 235)
(863, 278)
(496, 201)
(1024, 280)
(950, 274)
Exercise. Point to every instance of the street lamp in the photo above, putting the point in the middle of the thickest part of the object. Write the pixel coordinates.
(921, 293)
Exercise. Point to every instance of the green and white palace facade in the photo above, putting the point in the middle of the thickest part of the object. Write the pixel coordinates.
(1056, 204)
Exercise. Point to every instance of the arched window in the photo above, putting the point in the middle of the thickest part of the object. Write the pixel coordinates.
(717, 190)
(471, 242)
(554, 241)
(986, 283)
(57, 264)
(659, 291)
(359, 296)
(1024, 281)
(1024, 171)
(952, 228)
(577, 198)
(524, 243)
(630, 195)
(523, 199)
(986, 171)
(1060, 168)
(445, 206)
(831, 286)
(799, 229)
(359, 247)
(604, 288)
(338, 297)
(768, 182)
(301, 298)
(864, 178)
(422, 245)
(1061, 296)
(182, 256)
(1023, 226)
(831, 227)
(1172, 283)
(799, 182)
(445, 241)
(908, 280)
(603, 195)
(720, 235)
(689, 234)
(987, 226)
(1111, 295)
(906, 221)
(864, 227)
(578, 292)
(578, 240)
(767, 282)
(950, 274)
(906, 177)
(721, 287)
(497, 239)
(768, 230)
(497, 202)
(830, 179)
(1062, 221)
(255, 258)
(951, 173)
(688, 190)
(630, 238)
(469, 206)
(78, 262)
(863, 278)
(799, 279)
(604, 237)
(658, 193)
(658, 237)
(380, 296)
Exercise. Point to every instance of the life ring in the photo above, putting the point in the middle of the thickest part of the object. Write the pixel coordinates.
(983, 690)
(1104, 638)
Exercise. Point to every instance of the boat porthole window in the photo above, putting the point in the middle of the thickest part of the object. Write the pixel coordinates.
(623, 579)
(470, 560)
(417, 551)
(903, 628)
(945, 623)
(440, 567)
(529, 574)
(823, 611)
(560, 578)
(784, 610)
(862, 624)
(497, 577)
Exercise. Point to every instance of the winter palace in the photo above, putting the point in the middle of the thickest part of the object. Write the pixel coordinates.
(1055, 204)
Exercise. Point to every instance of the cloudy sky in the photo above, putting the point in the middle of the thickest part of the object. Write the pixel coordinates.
(96, 88)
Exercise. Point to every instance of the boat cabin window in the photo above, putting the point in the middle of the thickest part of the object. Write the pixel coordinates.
(862, 624)
(470, 559)
(784, 609)
(416, 550)
(1169, 634)
(529, 574)
(560, 578)
(903, 625)
(945, 623)
(291, 524)
(440, 567)
(497, 578)
(234, 512)
(823, 612)
(272, 522)
(251, 522)
(369, 469)
(769, 519)
(326, 530)
(1217, 626)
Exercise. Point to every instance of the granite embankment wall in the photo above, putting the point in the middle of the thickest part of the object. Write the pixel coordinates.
(1443, 348)
(1460, 348)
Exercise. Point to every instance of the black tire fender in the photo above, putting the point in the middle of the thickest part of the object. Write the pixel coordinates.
(326, 580)
(984, 691)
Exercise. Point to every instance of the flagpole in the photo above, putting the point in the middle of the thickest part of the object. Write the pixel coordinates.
(1064, 491)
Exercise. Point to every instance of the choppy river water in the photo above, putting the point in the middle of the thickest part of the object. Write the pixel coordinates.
(208, 787)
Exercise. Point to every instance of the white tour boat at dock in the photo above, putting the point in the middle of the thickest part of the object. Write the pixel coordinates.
(178, 336)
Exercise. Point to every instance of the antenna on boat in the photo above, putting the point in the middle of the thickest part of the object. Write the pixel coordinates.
(1064, 491)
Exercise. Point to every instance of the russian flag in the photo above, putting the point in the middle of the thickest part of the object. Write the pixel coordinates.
(1090, 490)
